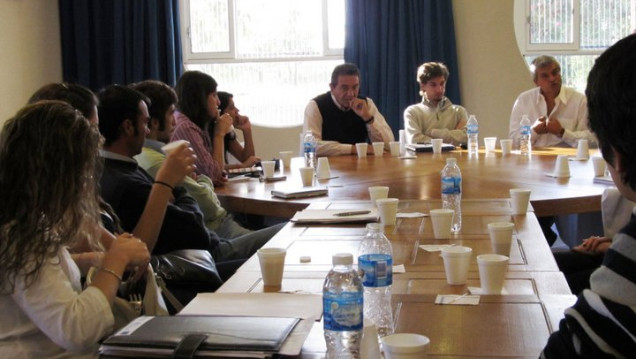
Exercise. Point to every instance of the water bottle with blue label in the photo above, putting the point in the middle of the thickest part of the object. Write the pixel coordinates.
(452, 191)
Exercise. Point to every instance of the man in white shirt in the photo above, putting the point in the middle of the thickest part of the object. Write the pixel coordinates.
(436, 116)
(559, 112)
(339, 119)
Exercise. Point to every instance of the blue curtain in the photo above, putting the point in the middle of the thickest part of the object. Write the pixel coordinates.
(389, 39)
(120, 41)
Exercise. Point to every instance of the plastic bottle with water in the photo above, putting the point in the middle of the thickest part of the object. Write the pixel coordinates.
(452, 191)
(375, 262)
(472, 129)
(525, 136)
(309, 149)
(343, 303)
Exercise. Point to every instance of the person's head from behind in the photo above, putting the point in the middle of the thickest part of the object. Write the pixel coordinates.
(345, 84)
(197, 96)
(78, 96)
(546, 73)
(48, 155)
(227, 105)
(163, 101)
(611, 102)
(432, 77)
(123, 118)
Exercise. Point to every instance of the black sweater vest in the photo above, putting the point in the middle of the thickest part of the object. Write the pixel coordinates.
(340, 126)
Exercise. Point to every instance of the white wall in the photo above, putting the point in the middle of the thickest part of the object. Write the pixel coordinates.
(30, 51)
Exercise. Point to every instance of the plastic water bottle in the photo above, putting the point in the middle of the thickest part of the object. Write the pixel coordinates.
(525, 143)
(452, 191)
(472, 129)
(375, 262)
(342, 303)
(309, 149)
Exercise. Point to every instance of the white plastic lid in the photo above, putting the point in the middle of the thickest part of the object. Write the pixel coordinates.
(373, 226)
(342, 259)
(451, 161)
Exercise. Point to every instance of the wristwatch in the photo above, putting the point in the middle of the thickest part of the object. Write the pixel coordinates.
(369, 121)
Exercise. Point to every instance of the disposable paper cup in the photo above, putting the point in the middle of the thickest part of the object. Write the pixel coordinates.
(272, 262)
(562, 166)
(285, 158)
(492, 271)
(268, 168)
(362, 149)
(519, 199)
(402, 139)
(378, 148)
(442, 222)
(369, 346)
(490, 143)
(456, 262)
(405, 346)
(169, 147)
(437, 145)
(501, 237)
(322, 168)
(583, 149)
(378, 192)
(395, 148)
(599, 166)
(307, 176)
(506, 146)
(387, 207)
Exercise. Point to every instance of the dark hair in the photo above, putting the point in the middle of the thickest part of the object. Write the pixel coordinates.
(224, 97)
(611, 103)
(48, 154)
(193, 89)
(431, 70)
(161, 97)
(346, 69)
(78, 96)
(116, 104)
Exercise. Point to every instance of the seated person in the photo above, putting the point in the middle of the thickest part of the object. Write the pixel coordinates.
(340, 118)
(243, 153)
(435, 116)
(601, 322)
(45, 312)
(162, 107)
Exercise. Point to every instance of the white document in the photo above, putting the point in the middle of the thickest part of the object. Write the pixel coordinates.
(336, 215)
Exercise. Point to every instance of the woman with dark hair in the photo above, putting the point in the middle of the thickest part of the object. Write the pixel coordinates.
(78, 96)
(243, 153)
(197, 118)
(49, 204)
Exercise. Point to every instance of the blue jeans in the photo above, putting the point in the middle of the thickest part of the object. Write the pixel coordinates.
(244, 246)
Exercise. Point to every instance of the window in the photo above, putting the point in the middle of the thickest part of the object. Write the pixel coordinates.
(273, 56)
(575, 32)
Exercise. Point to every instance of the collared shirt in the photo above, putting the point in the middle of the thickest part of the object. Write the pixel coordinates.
(116, 156)
(570, 109)
(444, 120)
(378, 130)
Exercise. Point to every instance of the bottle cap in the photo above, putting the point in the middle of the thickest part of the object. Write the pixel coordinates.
(451, 161)
(305, 259)
(373, 226)
(342, 259)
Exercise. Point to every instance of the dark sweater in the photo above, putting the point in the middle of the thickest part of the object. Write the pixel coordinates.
(340, 126)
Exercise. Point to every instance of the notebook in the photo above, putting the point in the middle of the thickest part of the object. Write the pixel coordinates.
(336, 216)
(300, 192)
(428, 147)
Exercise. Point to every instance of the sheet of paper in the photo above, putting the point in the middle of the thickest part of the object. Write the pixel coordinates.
(329, 215)
(478, 291)
(411, 214)
(399, 269)
(453, 299)
(434, 247)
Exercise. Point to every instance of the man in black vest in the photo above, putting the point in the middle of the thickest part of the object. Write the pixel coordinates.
(340, 118)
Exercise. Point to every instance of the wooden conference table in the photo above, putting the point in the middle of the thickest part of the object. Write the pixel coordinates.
(489, 175)
(515, 324)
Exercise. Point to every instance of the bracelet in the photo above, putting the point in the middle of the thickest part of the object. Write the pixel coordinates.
(110, 271)
(165, 184)
(369, 120)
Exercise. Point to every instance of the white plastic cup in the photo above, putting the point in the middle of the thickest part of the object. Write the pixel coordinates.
(387, 208)
(492, 271)
(583, 150)
(378, 148)
(323, 170)
(442, 222)
(506, 146)
(362, 149)
(369, 346)
(169, 147)
(378, 192)
(285, 158)
(490, 143)
(402, 134)
(501, 237)
(272, 261)
(456, 263)
(307, 176)
(599, 166)
(562, 166)
(268, 168)
(437, 145)
(519, 199)
(395, 148)
(405, 346)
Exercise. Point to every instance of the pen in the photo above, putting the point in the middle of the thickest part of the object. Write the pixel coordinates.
(352, 213)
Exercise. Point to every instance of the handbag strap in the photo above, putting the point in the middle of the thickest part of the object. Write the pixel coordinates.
(169, 296)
